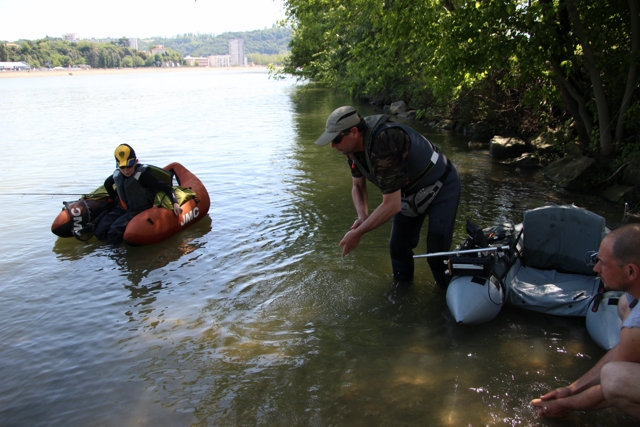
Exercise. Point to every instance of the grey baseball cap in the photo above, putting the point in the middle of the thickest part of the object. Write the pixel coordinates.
(342, 118)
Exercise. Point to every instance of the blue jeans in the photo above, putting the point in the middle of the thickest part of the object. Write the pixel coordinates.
(405, 233)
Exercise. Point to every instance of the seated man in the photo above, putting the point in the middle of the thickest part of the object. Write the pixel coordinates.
(613, 381)
(136, 187)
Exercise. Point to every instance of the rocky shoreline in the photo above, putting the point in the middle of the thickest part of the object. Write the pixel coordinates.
(562, 162)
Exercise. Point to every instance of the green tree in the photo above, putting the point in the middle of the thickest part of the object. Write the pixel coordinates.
(585, 49)
(123, 42)
(507, 61)
(138, 61)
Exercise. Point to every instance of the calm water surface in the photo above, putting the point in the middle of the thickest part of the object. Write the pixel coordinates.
(250, 317)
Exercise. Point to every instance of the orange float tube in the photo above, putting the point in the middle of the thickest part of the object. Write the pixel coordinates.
(157, 223)
(152, 225)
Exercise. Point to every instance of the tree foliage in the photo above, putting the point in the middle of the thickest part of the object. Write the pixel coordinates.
(50, 52)
(272, 41)
(524, 62)
(262, 59)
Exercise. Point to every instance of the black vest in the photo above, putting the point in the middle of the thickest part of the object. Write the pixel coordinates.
(134, 195)
(426, 164)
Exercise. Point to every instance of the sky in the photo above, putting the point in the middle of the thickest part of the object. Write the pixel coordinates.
(36, 19)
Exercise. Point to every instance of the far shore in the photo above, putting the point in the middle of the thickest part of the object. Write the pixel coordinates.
(140, 70)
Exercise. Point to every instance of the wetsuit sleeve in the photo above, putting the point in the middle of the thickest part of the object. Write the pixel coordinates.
(149, 180)
(390, 159)
(108, 185)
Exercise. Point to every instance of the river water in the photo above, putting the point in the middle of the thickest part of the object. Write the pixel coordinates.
(249, 317)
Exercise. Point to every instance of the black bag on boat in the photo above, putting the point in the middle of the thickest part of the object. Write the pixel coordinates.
(480, 264)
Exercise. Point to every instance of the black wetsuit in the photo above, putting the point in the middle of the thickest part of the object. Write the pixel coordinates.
(137, 193)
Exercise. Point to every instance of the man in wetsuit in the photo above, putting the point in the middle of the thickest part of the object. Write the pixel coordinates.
(136, 187)
(416, 181)
(613, 381)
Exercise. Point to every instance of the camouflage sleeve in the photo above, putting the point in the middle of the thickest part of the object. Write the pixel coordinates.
(390, 159)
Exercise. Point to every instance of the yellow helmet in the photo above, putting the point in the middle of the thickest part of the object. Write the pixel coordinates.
(125, 156)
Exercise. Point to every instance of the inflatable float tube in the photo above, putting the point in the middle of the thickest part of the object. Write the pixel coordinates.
(148, 227)
(603, 320)
(475, 299)
(476, 292)
(545, 269)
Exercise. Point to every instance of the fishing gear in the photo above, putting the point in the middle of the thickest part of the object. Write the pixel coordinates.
(465, 251)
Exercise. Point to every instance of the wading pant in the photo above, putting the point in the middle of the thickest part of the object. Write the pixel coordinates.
(405, 233)
(112, 226)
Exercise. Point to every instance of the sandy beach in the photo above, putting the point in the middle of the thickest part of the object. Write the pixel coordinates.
(95, 71)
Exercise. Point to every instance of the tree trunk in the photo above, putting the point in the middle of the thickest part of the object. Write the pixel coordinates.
(576, 105)
(634, 22)
(604, 121)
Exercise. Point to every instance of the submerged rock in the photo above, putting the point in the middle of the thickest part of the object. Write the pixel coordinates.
(502, 148)
(571, 173)
(398, 107)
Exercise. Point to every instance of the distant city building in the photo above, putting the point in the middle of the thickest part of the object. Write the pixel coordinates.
(71, 37)
(192, 61)
(14, 66)
(220, 60)
(160, 49)
(133, 43)
(236, 52)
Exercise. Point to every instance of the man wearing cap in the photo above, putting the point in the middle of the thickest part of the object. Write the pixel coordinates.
(415, 179)
(613, 381)
(136, 187)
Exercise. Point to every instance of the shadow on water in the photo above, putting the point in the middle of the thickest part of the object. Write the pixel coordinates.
(136, 263)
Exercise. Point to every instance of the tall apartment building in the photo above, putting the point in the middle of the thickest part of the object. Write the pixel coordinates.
(236, 52)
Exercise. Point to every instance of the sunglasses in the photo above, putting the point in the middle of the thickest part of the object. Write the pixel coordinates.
(338, 138)
(591, 258)
(130, 163)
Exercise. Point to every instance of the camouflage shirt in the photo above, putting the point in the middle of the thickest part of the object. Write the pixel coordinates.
(389, 158)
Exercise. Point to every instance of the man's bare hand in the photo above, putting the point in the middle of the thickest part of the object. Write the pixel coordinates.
(349, 242)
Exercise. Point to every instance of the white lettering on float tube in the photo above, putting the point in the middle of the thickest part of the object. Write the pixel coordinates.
(189, 216)
(77, 218)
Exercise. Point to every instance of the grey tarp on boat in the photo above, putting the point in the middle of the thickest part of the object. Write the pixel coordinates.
(557, 238)
(552, 277)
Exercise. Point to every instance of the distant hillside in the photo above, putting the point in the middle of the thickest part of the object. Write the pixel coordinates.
(270, 41)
